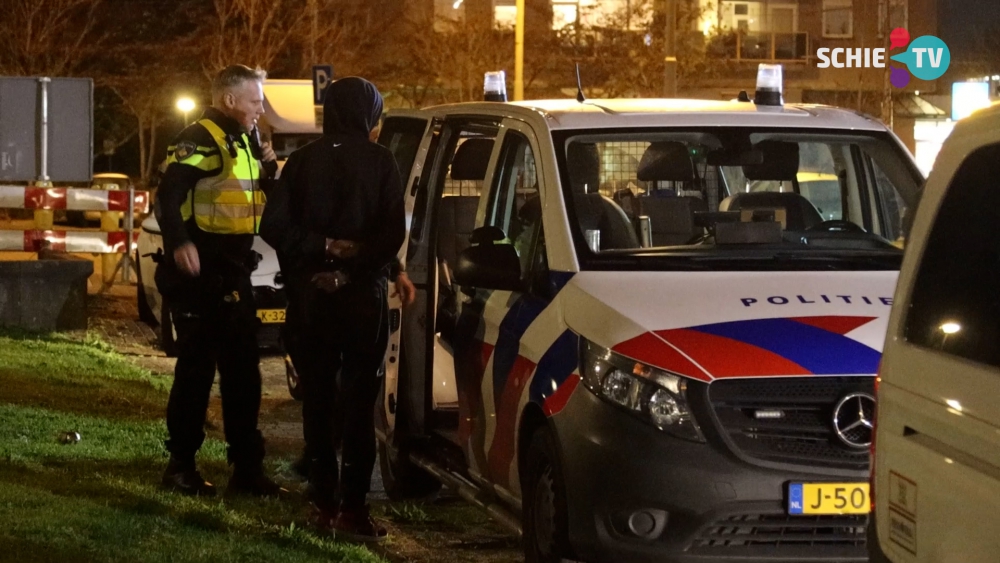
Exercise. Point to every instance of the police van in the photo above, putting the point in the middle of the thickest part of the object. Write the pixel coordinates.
(646, 329)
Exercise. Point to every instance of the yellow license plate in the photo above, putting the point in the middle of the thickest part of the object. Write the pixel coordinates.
(828, 498)
(271, 315)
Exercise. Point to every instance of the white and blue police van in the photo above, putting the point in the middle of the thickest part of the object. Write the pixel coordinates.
(646, 329)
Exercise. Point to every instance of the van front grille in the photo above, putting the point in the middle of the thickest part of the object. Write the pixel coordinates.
(788, 420)
(781, 530)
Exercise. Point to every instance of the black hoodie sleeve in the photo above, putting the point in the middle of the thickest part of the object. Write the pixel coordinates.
(296, 245)
(388, 233)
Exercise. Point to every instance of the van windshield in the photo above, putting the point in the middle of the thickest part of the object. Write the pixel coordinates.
(718, 197)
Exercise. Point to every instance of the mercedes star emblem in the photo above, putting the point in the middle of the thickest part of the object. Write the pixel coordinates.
(853, 419)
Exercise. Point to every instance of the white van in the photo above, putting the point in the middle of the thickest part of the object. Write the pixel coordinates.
(936, 478)
(646, 330)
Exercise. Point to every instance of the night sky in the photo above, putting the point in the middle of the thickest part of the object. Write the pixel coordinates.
(962, 24)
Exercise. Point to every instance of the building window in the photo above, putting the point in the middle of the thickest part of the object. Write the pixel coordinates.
(838, 18)
(898, 14)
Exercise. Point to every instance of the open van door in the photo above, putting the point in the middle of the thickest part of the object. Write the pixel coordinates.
(408, 135)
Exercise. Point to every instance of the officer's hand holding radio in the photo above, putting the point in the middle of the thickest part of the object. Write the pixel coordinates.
(267, 152)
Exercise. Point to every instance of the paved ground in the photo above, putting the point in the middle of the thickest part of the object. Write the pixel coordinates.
(446, 529)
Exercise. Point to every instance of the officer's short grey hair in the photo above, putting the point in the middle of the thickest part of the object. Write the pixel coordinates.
(235, 75)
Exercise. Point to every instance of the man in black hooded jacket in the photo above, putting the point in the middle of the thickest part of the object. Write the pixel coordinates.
(336, 221)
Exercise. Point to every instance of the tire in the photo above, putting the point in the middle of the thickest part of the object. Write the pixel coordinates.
(402, 479)
(145, 311)
(294, 382)
(544, 514)
(168, 340)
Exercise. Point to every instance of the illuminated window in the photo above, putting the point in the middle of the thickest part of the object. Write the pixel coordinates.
(564, 12)
(838, 18)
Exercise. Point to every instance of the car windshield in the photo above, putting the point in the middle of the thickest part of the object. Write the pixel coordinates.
(285, 144)
(732, 197)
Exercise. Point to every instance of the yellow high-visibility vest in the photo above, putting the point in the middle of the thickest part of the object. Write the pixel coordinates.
(231, 202)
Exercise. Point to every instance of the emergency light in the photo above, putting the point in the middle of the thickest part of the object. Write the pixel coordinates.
(495, 86)
(769, 86)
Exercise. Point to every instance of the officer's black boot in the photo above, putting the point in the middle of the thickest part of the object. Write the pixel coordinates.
(249, 479)
(181, 476)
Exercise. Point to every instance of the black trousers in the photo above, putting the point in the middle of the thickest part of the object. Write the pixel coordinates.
(215, 320)
(345, 332)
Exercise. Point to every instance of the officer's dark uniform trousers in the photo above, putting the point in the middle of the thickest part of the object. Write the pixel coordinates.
(215, 319)
(345, 331)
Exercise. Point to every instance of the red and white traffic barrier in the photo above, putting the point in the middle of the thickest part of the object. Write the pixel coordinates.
(66, 241)
(74, 199)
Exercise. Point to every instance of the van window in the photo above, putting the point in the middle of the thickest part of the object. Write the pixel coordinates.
(954, 307)
(402, 136)
(513, 204)
(789, 199)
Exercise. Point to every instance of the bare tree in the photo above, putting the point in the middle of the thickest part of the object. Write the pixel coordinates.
(344, 34)
(255, 32)
(47, 37)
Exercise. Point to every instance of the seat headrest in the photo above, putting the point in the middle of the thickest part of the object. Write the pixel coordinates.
(584, 163)
(666, 161)
(781, 162)
(471, 159)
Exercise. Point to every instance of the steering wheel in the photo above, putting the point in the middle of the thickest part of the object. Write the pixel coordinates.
(837, 226)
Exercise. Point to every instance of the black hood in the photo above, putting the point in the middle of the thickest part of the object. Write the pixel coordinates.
(353, 106)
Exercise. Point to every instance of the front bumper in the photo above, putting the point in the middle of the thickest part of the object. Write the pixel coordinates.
(702, 503)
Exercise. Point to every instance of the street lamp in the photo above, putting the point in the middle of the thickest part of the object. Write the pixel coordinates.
(185, 104)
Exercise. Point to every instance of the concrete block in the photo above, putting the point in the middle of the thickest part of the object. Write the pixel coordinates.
(44, 295)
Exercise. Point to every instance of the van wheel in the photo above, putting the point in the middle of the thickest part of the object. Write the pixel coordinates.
(294, 382)
(168, 335)
(142, 302)
(544, 513)
(402, 479)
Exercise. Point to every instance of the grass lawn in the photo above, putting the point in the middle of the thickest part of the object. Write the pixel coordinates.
(98, 500)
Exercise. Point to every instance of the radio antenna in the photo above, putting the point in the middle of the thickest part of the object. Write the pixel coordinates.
(579, 86)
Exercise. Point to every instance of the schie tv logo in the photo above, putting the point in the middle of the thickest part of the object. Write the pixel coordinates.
(927, 57)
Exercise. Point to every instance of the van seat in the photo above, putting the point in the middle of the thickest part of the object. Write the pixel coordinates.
(456, 221)
(672, 218)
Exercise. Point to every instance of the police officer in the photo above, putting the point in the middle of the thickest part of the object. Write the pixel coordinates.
(337, 220)
(209, 205)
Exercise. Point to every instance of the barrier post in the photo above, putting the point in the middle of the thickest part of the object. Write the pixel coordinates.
(129, 228)
(44, 219)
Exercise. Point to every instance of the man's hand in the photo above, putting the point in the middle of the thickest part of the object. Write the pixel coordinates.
(186, 258)
(405, 289)
(267, 152)
(341, 248)
(329, 281)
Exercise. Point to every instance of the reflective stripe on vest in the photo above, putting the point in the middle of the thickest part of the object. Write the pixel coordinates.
(231, 202)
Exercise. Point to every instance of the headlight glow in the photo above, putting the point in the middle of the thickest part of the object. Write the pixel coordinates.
(654, 395)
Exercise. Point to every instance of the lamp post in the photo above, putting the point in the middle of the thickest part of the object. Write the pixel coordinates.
(519, 52)
(185, 104)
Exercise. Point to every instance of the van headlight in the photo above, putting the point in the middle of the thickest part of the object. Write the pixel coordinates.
(656, 396)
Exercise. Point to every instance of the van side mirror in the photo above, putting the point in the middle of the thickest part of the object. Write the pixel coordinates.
(488, 265)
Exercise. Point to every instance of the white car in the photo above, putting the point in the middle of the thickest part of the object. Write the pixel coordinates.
(936, 477)
(267, 290)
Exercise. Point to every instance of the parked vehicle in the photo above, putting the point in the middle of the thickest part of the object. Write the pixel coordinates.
(621, 349)
(936, 471)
